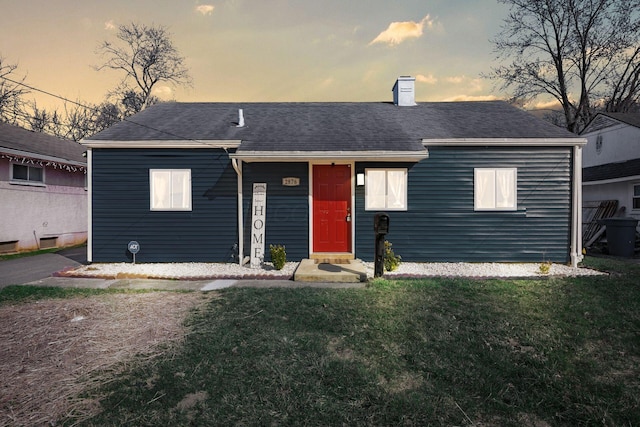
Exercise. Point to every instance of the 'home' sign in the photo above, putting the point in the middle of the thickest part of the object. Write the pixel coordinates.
(258, 214)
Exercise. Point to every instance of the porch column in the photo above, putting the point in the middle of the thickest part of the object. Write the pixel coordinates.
(576, 211)
(237, 166)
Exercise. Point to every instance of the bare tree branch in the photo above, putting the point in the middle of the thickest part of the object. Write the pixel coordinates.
(12, 105)
(146, 56)
(582, 53)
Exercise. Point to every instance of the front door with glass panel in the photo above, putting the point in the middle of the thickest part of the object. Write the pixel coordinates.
(332, 208)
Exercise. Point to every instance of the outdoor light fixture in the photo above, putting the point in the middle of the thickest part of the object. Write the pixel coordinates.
(360, 179)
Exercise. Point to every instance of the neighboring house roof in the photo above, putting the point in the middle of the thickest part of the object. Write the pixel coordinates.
(330, 127)
(17, 141)
(611, 171)
(605, 120)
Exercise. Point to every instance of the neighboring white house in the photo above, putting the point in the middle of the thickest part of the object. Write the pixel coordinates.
(43, 197)
(611, 161)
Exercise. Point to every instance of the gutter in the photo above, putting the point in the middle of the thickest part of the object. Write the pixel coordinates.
(42, 157)
(516, 142)
(359, 156)
(161, 143)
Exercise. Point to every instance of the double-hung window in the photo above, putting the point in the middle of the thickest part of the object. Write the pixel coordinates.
(636, 196)
(27, 173)
(170, 189)
(386, 189)
(495, 189)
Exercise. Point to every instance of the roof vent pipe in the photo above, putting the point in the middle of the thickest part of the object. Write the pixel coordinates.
(240, 118)
(404, 91)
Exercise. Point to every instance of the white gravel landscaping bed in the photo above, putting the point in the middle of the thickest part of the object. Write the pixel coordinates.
(195, 271)
(481, 269)
(190, 270)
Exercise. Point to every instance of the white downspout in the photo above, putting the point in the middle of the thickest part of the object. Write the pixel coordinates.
(89, 206)
(576, 220)
(237, 166)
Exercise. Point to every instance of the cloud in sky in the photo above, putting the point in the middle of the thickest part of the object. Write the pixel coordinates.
(109, 25)
(205, 9)
(397, 32)
(162, 91)
(460, 98)
(546, 105)
(430, 79)
(456, 79)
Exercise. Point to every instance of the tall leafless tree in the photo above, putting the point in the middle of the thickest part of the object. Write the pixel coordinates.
(582, 53)
(12, 92)
(146, 56)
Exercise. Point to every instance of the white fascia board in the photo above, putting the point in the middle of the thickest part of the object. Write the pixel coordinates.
(280, 156)
(536, 142)
(184, 143)
(612, 180)
(41, 157)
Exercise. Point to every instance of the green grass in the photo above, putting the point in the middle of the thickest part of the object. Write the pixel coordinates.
(400, 352)
(24, 293)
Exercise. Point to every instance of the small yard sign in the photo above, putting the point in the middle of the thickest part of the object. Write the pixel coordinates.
(258, 215)
(134, 248)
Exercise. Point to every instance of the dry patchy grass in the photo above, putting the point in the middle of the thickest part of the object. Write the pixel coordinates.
(51, 351)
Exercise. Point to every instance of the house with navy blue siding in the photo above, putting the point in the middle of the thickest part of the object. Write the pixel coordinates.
(460, 181)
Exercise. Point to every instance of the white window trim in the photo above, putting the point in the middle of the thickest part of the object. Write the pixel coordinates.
(633, 196)
(152, 190)
(494, 189)
(387, 207)
(19, 181)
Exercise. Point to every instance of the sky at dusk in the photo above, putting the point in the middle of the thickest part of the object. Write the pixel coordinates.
(264, 50)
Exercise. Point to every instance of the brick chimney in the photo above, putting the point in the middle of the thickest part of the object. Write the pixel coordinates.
(404, 91)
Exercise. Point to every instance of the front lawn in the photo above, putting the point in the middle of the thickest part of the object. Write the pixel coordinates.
(560, 351)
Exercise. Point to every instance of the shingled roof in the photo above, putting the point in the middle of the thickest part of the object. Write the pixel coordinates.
(314, 127)
(611, 171)
(605, 120)
(19, 141)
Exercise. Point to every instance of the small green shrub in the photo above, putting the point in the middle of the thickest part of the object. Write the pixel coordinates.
(545, 267)
(278, 256)
(391, 260)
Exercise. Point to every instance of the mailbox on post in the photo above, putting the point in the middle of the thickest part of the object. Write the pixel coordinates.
(381, 228)
(381, 223)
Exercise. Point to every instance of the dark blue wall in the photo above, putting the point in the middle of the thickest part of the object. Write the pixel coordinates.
(287, 214)
(441, 225)
(121, 210)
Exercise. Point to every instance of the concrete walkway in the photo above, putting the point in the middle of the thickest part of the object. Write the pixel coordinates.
(184, 285)
(39, 270)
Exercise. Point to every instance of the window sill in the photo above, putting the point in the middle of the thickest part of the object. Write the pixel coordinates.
(27, 183)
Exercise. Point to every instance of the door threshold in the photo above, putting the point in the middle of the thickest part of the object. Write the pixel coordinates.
(332, 255)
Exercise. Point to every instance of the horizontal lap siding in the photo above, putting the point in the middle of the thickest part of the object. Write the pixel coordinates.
(441, 225)
(121, 212)
(287, 215)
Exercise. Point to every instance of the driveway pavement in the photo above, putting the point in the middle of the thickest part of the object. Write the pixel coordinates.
(31, 268)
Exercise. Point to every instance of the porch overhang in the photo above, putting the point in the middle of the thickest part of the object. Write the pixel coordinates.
(360, 156)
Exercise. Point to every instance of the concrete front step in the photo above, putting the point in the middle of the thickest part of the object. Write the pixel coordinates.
(324, 270)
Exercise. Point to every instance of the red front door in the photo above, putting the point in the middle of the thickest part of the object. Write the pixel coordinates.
(332, 208)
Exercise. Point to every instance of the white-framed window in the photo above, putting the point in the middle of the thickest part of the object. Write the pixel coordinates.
(27, 173)
(636, 197)
(495, 189)
(170, 189)
(386, 189)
